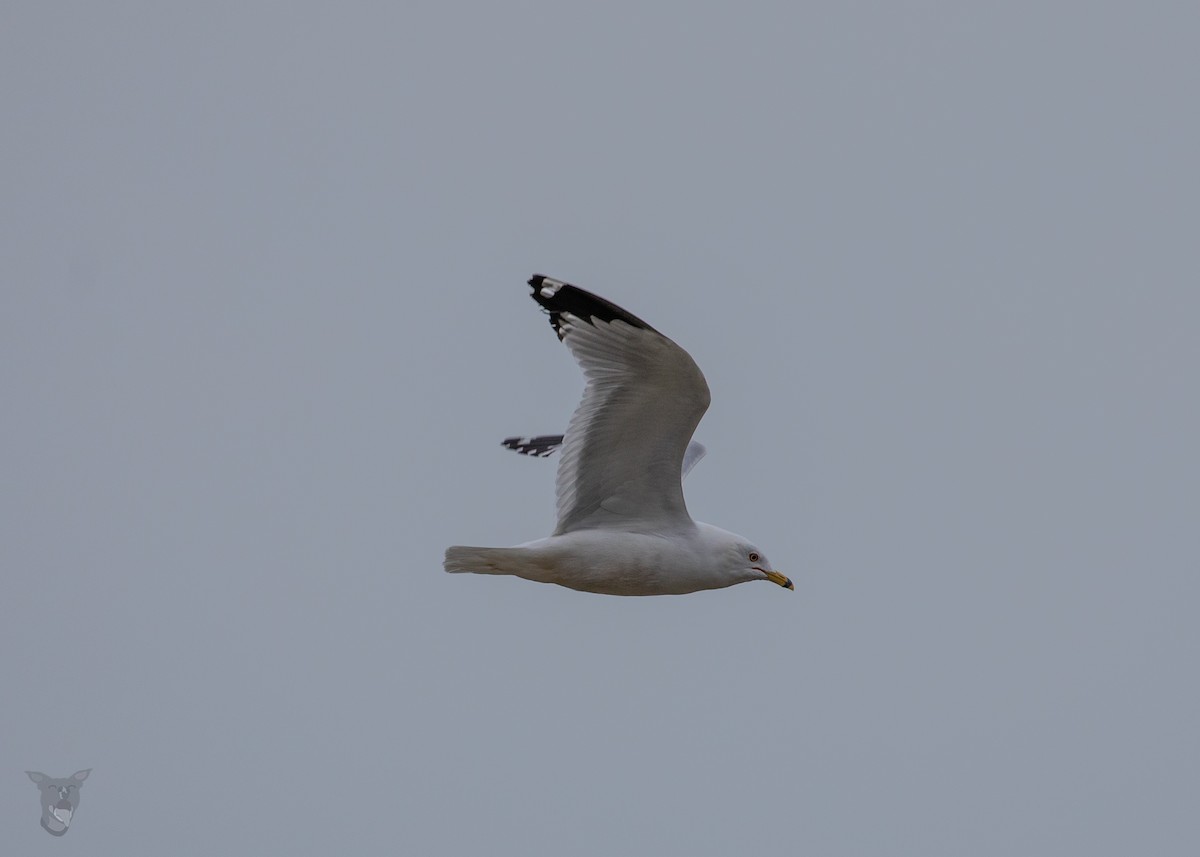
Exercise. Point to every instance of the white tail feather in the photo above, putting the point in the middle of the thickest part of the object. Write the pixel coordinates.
(461, 558)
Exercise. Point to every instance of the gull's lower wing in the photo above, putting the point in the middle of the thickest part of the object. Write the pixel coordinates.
(622, 454)
(542, 446)
(545, 445)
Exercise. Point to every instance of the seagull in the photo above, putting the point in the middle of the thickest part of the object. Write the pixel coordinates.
(623, 527)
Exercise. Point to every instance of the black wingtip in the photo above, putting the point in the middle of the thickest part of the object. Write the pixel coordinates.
(557, 297)
(540, 446)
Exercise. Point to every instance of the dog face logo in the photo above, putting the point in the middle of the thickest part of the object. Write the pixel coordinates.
(60, 799)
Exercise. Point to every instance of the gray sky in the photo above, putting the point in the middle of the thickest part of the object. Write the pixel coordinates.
(263, 323)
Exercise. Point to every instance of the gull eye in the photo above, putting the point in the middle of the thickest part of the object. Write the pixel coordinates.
(754, 557)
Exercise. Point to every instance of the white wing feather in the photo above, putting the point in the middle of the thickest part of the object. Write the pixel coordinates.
(623, 451)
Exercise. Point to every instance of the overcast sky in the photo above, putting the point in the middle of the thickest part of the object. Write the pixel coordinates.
(264, 321)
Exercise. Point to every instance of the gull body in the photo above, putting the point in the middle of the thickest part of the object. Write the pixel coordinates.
(689, 560)
(623, 526)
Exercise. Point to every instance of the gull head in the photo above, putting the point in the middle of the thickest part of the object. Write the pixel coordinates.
(742, 561)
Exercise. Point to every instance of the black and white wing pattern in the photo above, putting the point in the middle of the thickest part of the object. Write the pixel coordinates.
(622, 454)
(542, 446)
(545, 445)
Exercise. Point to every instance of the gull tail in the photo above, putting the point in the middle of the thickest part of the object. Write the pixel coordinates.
(461, 558)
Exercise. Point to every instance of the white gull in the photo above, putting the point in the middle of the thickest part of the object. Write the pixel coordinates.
(623, 527)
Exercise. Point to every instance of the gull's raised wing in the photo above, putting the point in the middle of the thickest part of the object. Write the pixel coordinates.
(622, 456)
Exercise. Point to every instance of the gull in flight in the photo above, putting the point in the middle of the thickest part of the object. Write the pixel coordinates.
(623, 528)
